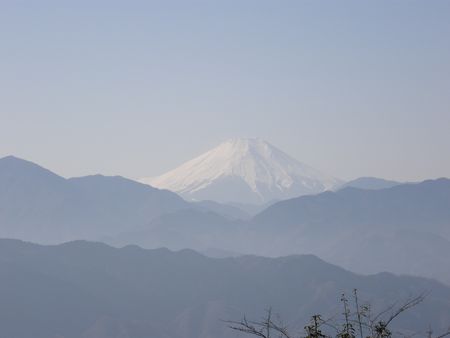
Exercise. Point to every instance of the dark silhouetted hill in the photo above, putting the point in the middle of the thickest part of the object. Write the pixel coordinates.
(83, 290)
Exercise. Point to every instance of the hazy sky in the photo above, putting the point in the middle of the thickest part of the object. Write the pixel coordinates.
(137, 87)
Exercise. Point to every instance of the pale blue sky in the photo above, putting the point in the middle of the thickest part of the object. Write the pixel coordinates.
(137, 87)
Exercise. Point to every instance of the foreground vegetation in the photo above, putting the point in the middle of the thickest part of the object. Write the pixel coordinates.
(356, 321)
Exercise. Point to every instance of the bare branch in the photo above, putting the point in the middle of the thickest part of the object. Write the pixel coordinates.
(407, 305)
(444, 334)
(246, 327)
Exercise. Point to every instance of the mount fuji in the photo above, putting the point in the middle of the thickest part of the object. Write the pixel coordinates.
(247, 171)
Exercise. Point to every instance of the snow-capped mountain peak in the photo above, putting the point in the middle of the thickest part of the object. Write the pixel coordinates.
(243, 170)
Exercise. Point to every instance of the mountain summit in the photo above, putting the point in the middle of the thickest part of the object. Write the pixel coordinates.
(243, 171)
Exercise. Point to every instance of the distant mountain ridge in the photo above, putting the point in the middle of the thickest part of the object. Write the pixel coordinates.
(249, 171)
(404, 229)
(90, 290)
(411, 203)
(39, 205)
(370, 183)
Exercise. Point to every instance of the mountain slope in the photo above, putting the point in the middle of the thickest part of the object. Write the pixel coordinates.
(370, 183)
(226, 210)
(36, 204)
(404, 229)
(412, 205)
(88, 290)
(244, 171)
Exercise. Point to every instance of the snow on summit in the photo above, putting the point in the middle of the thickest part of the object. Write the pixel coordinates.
(243, 171)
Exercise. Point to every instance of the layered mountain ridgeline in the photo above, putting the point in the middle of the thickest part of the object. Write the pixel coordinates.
(83, 290)
(38, 205)
(370, 183)
(410, 205)
(403, 229)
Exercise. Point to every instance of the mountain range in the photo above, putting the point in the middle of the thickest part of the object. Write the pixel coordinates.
(249, 171)
(90, 290)
(405, 228)
(39, 205)
(401, 229)
(371, 183)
